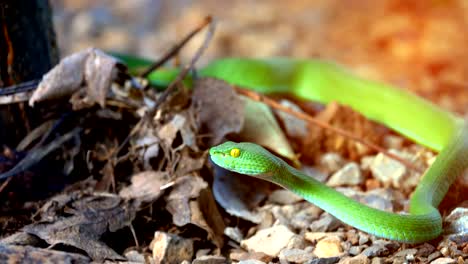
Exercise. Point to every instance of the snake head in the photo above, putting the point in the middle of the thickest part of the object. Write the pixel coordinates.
(244, 158)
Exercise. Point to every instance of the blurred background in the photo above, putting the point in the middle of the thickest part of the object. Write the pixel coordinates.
(415, 44)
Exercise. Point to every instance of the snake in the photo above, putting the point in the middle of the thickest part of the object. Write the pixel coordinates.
(322, 81)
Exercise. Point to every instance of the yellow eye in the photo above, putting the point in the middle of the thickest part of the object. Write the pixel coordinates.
(235, 152)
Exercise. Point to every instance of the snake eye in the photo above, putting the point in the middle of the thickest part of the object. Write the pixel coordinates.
(235, 152)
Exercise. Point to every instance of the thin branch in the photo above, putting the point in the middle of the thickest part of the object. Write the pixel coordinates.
(174, 84)
(261, 98)
(175, 49)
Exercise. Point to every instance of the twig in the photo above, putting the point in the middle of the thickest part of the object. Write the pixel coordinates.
(20, 88)
(36, 155)
(175, 49)
(174, 84)
(261, 98)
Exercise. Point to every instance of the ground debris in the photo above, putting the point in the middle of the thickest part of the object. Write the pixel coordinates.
(29, 254)
(79, 220)
(170, 248)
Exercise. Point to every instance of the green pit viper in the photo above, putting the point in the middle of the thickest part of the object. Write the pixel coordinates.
(324, 82)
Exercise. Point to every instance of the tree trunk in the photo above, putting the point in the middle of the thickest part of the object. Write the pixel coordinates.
(28, 49)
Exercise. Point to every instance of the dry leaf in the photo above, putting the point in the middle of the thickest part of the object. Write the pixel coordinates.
(261, 127)
(79, 220)
(220, 110)
(190, 202)
(146, 186)
(91, 69)
(28, 254)
(239, 194)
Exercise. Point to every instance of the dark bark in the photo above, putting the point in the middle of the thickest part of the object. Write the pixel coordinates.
(27, 50)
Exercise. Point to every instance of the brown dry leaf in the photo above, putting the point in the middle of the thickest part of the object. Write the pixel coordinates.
(180, 123)
(320, 140)
(91, 68)
(261, 127)
(191, 202)
(239, 194)
(220, 110)
(188, 164)
(80, 219)
(28, 254)
(146, 186)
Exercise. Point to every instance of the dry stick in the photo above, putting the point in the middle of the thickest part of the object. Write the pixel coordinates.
(172, 52)
(274, 104)
(174, 84)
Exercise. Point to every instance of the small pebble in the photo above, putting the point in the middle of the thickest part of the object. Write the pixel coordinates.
(331, 260)
(327, 222)
(331, 161)
(295, 255)
(316, 236)
(349, 175)
(359, 259)
(363, 239)
(444, 261)
(433, 256)
(354, 250)
(445, 251)
(234, 233)
(251, 261)
(375, 251)
(269, 241)
(406, 252)
(378, 261)
(387, 170)
(297, 242)
(209, 260)
(328, 247)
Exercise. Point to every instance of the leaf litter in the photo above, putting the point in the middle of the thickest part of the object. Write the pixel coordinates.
(154, 177)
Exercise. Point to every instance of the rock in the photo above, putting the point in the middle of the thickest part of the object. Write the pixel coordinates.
(134, 256)
(331, 260)
(425, 250)
(297, 242)
(269, 241)
(327, 222)
(352, 237)
(210, 260)
(328, 247)
(457, 225)
(170, 248)
(234, 233)
(251, 261)
(316, 236)
(363, 238)
(387, 170)
(433, 256)
(445, 251)
(295, 255)
(304, 217)
(405, 252)
(444, 261)
(355, 250)
(283, 196)
(376, 250)
(331, 161)
(359, 259)
(238, 255)
(378, 261)
(350, 174)
(202, 252)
